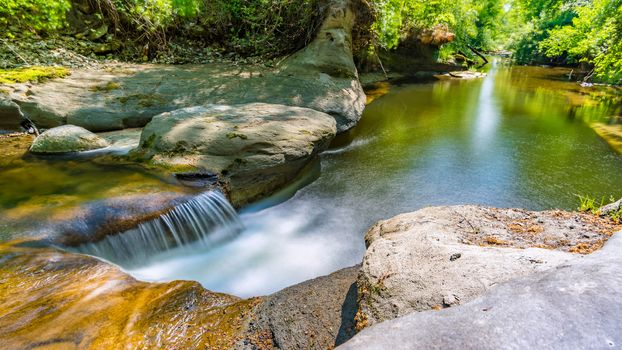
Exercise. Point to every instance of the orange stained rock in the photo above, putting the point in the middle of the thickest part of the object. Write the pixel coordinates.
(56, 300)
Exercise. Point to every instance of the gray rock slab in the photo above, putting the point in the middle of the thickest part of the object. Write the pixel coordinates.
(576, 305)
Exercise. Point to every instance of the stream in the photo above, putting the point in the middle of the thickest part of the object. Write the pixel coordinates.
(520, 137)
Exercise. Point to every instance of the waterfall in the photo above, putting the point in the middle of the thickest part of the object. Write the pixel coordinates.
(204, 220)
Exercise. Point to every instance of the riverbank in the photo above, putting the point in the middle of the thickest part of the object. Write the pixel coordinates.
(317, 314)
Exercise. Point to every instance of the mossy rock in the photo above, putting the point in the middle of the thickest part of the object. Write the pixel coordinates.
(67, 138)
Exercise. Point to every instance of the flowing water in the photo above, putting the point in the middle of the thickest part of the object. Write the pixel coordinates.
(521, 137)
(203, 221)
(518, 138)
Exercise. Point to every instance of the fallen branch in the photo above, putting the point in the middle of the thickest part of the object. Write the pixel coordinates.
(15, 52)
(381, 66)
(478, 54)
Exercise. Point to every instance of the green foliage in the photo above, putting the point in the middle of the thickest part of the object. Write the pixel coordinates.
(249, 27)
(474, 22)
(36, 15)
(31, 74)
(572, 32)
(589, 204)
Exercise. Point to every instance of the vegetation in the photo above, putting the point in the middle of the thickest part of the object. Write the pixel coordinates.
(571, 32)
(589, 204)
(474, 23)
(31, 74)
(34, 15)
(248, 27)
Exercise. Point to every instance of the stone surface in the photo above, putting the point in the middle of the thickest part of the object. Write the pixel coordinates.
(67, 138)
(256, 147)
(10, 115)
(55, 300)
(93, 221)
(444, 256)
(611, 208)
(575, 305)
(315, 314)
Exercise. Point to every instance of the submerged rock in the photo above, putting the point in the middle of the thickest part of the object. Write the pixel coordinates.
(67, 138)
(257, 147)
(444, 256)
(574, 305)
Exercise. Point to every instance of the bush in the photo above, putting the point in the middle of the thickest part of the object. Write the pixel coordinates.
(35, 15)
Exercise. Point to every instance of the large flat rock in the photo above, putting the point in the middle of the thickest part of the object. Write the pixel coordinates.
(441, 257)
(257, 147)
(575, 305)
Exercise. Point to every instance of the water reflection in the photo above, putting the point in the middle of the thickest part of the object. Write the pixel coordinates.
(510, 140)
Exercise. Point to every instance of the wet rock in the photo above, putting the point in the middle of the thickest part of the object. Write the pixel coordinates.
(95, 220)
(67, 138)
(257, 147)
(53, 299)
(574, 305)
(411, 262)
(10, 114)
(316, 314)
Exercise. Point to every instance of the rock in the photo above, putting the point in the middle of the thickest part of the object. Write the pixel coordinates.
(148, 90)
(10, 114)
(328, 58)
(611, 208)
(571, 306)
(93, 221)
(463, 75)
(97, 33)
(316, 314)
(257, 147)
(50, 299)
(67, 138)
(441, 256)
(104, 48)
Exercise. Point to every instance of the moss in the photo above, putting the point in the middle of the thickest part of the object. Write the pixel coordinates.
(233, 135)
(143, 100)
(35, 74)
(111, 85)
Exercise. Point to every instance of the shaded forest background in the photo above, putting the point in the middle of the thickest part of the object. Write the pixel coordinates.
(584, 33)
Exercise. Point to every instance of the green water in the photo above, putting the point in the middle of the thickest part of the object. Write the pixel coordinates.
(517, 138)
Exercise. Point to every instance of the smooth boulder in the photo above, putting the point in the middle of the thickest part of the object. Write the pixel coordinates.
(572, 306)
(67, 138)
(441, 257)
(256, 147)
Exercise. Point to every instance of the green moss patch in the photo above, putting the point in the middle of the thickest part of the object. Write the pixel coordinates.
(35, 74)
(111, 85)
